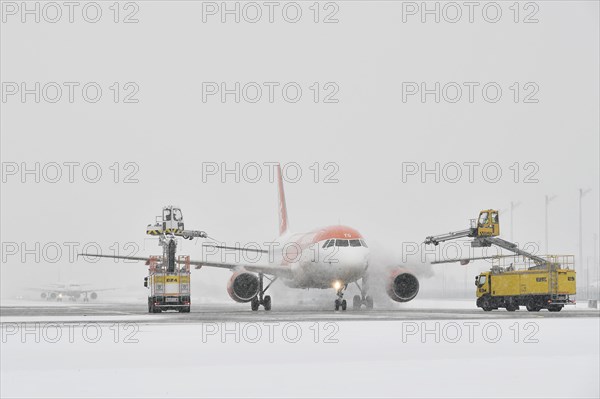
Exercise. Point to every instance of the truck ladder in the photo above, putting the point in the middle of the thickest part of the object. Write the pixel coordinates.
(509, 246)
(553, 282)
(453, 235)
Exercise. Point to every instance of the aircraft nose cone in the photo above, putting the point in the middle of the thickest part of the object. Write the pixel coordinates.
(355, 262)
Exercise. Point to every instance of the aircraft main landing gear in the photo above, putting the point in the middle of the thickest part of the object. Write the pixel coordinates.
(363, 298)
(261, 298)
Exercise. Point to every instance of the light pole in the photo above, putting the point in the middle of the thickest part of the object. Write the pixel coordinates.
(587, 277)
(582, 193)
(513, 205)
(548, 200)
(595, 264)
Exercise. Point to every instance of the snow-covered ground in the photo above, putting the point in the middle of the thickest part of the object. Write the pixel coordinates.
(434, 358)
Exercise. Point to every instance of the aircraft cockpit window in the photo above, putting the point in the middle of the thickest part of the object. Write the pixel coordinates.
(355, 243)
(341, 243)
(166, 214)
(177, 214)
(364, 244)
(331, 243)
(325, 244)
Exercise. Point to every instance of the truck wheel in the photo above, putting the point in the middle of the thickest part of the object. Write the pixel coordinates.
(511, 304)
(555, 308)
(486, 304)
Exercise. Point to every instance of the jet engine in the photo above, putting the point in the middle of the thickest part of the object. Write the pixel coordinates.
(402, 286)
(53, 295)
(43, 295)
(93, 295)
(243, 286)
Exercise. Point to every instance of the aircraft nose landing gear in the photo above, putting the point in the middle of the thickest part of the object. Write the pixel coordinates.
(340, 302)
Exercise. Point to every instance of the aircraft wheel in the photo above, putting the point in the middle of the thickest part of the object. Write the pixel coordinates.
(344, 304)
(369, 301)
(267, 302)
(356, 302)
(337, 304)
(254, 304)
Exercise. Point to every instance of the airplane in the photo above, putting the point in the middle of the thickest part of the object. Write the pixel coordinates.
(71, 291)
(327, 257)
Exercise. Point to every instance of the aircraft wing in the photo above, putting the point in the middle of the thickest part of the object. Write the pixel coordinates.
(98, 290)
(274, 270)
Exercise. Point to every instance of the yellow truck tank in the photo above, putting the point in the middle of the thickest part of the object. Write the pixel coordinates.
(532, 282)
(536, 288)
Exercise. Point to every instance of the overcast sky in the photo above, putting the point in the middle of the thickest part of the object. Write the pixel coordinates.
(367, 121)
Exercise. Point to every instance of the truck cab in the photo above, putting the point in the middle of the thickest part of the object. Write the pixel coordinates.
(170, 222)
(488, 223)
(482, 282)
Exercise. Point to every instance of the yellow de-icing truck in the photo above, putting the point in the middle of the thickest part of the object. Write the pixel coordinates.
(540, 282)
(169, 288)
(535, 287)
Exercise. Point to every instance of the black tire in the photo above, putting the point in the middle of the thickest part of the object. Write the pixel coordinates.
(344, 304)
(337, 304)
(555, 308)
(511, 306)
(533, 306)
(267, 303)
(369, 302)
(356, 302)
(486, 304)
(254, 304)
(479, 302)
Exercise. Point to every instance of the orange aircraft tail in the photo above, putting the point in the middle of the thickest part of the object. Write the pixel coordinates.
(283, 217)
